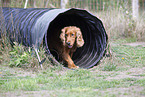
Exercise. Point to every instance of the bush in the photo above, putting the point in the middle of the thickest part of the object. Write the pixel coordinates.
(120, 24)
(19, 57)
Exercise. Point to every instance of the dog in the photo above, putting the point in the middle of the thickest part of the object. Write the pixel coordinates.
(70, 38)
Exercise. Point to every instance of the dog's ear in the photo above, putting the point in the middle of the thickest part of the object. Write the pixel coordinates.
(62, 35)
(80, 40)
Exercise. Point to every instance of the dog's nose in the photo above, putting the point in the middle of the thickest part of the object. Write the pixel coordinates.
(68, 43)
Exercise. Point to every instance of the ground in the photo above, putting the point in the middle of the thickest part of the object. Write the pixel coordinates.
(124, 79)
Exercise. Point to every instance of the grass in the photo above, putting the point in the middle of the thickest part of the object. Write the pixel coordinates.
(119, 23)
(92, 82)
(124, 55)
(69, 83)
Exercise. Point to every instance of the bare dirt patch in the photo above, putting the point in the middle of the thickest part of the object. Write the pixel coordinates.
(136, 44)
(132, 91)
(135, 73)
(42, 93)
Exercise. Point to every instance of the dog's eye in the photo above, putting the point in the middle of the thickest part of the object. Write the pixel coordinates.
(65, 34)
(72, 34)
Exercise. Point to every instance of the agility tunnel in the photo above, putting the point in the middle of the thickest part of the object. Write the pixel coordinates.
(31, 26)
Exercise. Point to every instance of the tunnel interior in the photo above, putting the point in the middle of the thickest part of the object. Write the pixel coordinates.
(88, 55)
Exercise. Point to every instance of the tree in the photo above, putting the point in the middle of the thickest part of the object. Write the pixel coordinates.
(63, 3)
(135, 9)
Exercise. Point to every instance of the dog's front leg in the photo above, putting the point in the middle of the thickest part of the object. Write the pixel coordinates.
(70, 62)
(71, 54)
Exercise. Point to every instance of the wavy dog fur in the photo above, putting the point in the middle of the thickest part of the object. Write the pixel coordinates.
(70, 39)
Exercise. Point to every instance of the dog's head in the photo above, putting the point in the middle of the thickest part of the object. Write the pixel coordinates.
(71, 34)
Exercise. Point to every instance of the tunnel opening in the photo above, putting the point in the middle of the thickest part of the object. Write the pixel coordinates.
(91, 50)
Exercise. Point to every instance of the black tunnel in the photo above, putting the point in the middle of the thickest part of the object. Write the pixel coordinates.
(36, 24)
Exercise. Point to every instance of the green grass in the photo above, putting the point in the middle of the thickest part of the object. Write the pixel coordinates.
(68, 81)
(93, 82)
(73, 82)
(132, 56)
(124, 55)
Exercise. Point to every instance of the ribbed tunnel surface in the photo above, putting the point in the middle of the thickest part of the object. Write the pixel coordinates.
(38, 23)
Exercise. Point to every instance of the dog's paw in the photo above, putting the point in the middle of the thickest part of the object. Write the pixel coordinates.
(74, 67)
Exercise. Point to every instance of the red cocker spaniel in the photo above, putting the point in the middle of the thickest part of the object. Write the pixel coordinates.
(66, 44)
(71, 38)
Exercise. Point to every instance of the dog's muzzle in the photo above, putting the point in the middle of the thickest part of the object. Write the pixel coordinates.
(68, 44)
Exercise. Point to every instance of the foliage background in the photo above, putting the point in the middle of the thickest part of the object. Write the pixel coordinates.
(115, 14)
